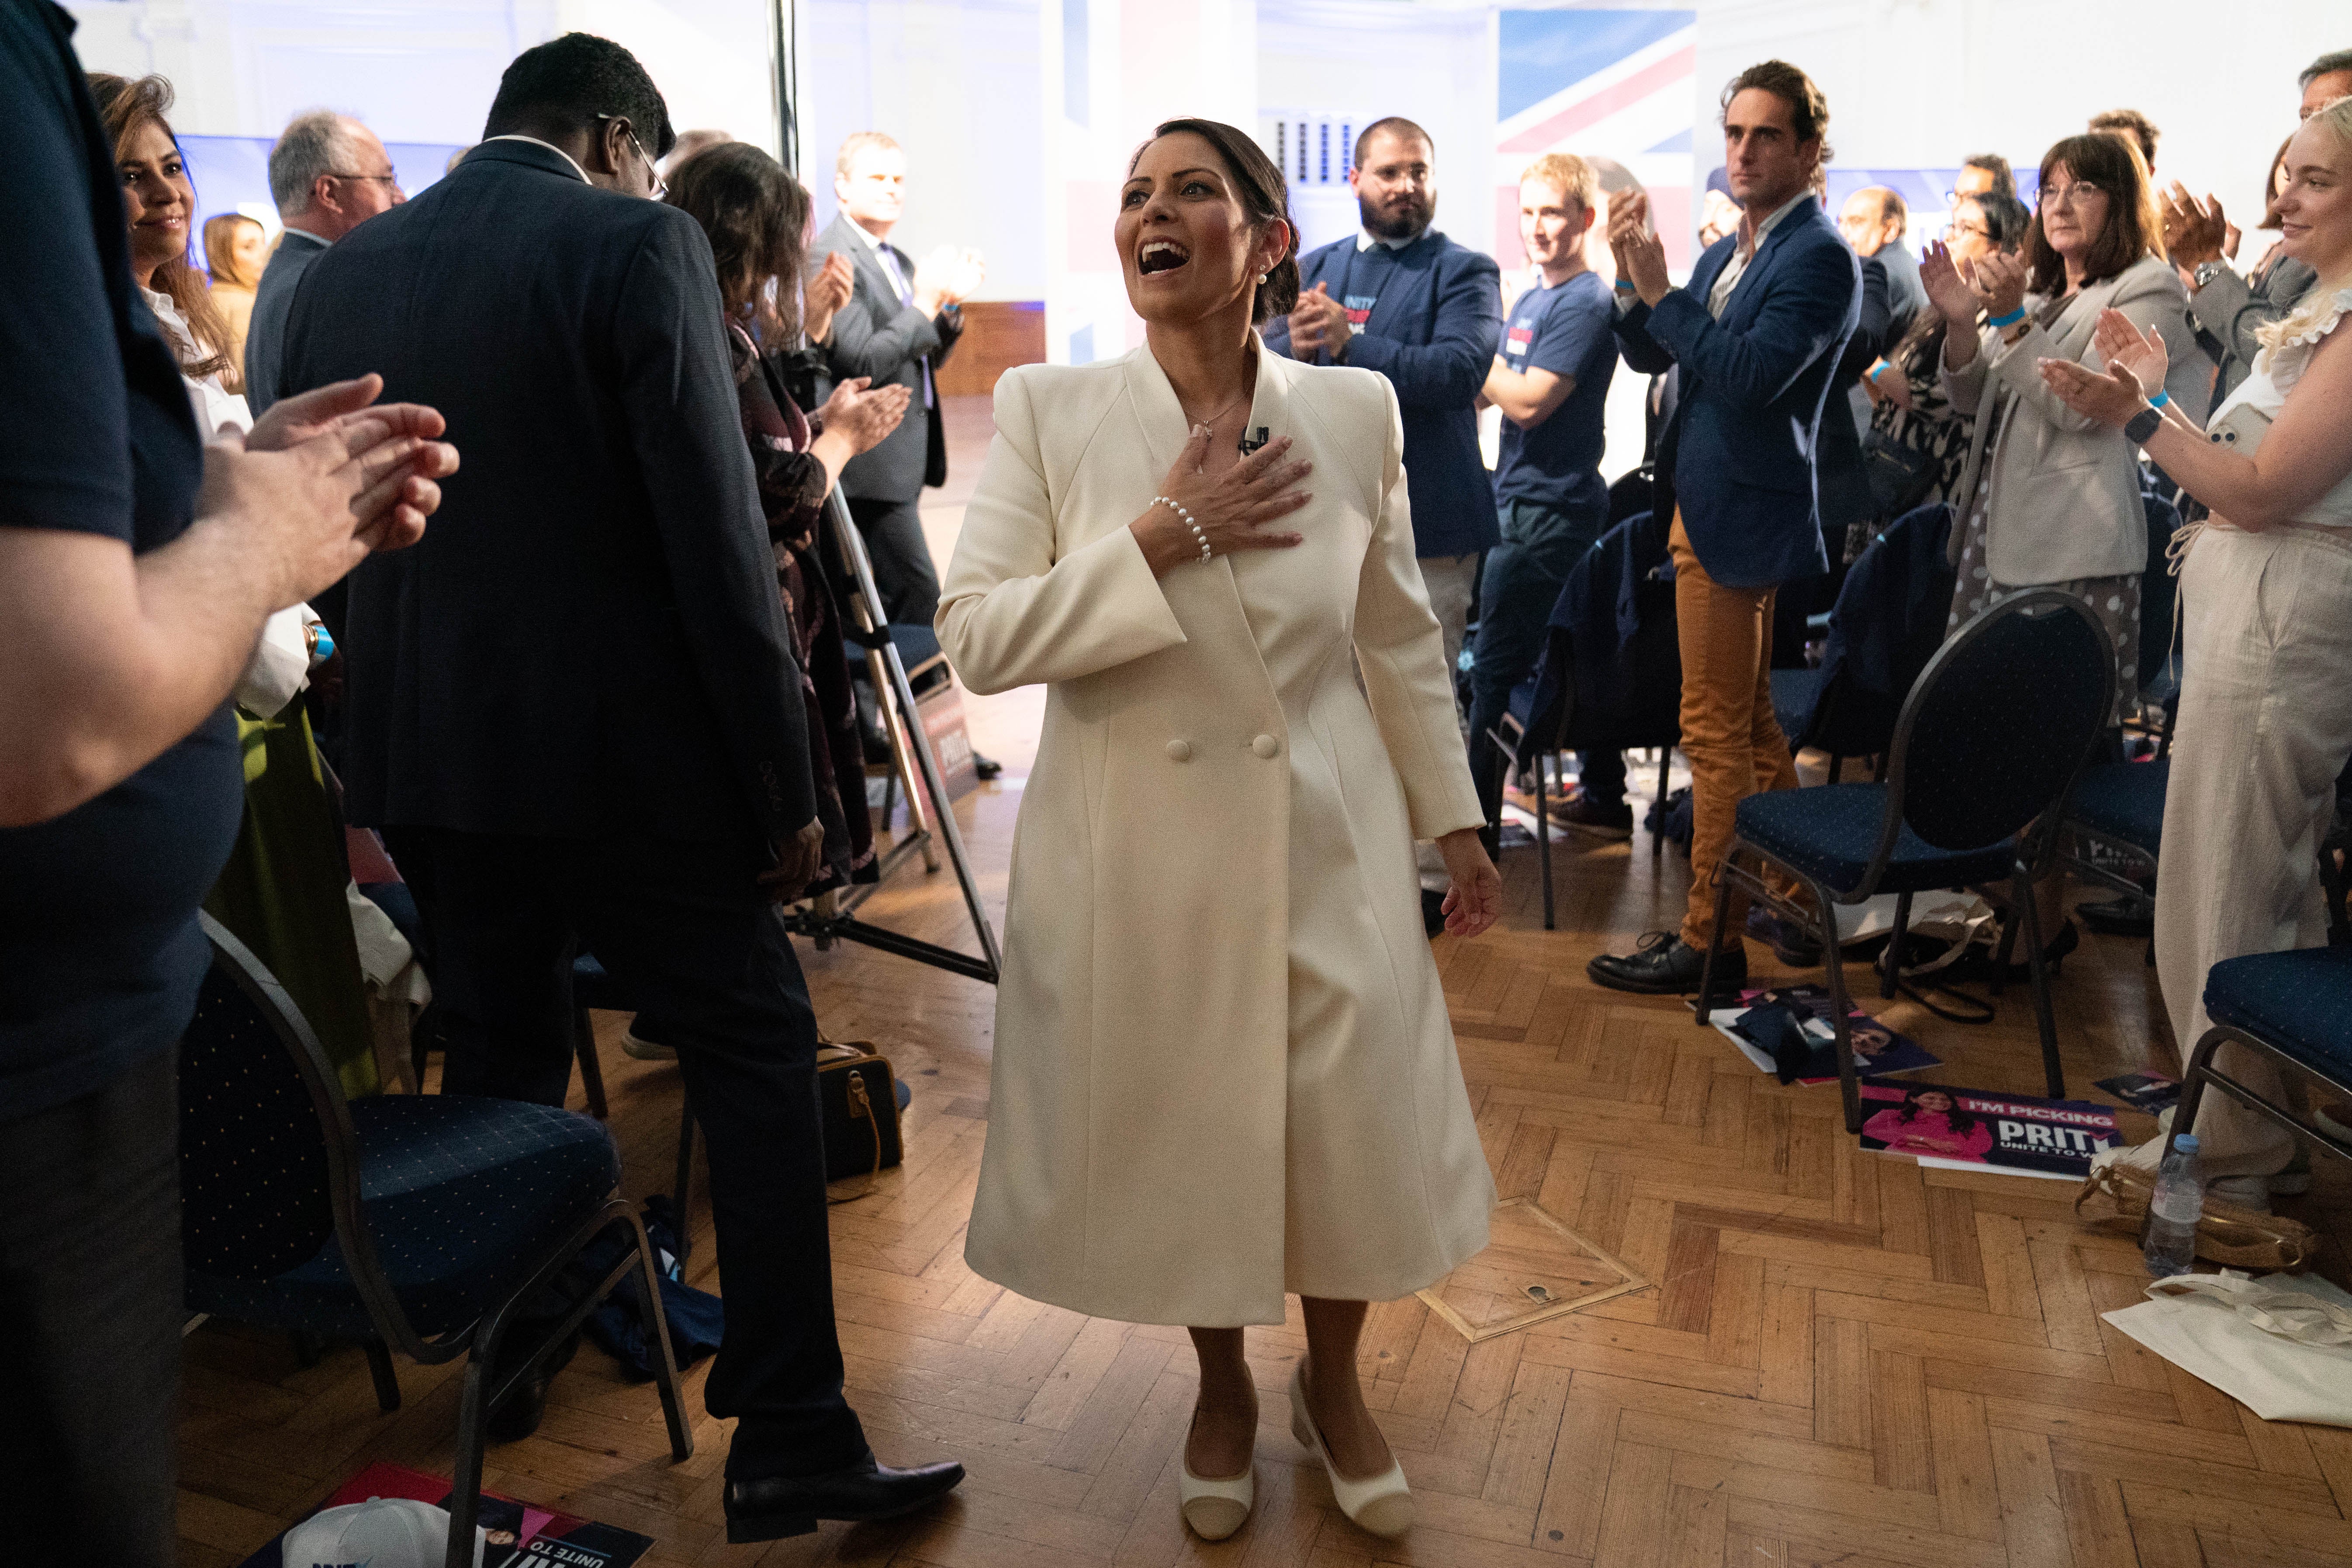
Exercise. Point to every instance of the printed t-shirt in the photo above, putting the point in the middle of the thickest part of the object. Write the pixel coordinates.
(1566, 331)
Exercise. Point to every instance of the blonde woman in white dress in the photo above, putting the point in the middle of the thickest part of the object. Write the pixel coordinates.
(2266, 662)
(1223, 1069)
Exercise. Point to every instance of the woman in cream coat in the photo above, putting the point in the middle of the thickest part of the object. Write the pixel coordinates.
(1223, 1070)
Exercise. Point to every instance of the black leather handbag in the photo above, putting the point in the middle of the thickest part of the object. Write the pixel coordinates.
(857, 1102)
(1900, 478)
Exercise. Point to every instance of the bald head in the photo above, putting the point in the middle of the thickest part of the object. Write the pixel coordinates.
(1872, 219)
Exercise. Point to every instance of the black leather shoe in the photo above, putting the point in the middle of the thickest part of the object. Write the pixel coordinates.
(1791, 944)
(520, 1415)
(2052, 955)
(780, 1505)
(2131, 915)
(1601, 818)
(986, 767)
(1663, 964)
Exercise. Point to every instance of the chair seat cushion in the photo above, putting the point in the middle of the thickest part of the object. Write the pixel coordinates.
(2300, 1002)
(1830, 831)
(463, 1196)
(592, 985)
(2124, 800)
(1795, 693)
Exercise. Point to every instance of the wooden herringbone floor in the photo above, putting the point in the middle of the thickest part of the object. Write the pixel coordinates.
(1845, 1360)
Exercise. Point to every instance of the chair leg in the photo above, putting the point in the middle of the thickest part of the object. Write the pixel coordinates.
(1666, 766)
(1722, 912)
(681, 1434)
(1837, 763)
(387, 1382)
(1543, 841)
(684, 1187)
(1890, 964)
(1849, 1078)
(2193, 1080)
(2053, 1073)
(592, 1070)
(473, 1435)
(2008, 945)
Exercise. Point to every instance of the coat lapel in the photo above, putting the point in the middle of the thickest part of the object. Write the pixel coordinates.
(1408, 281)
(1744, 293)
(1161, 418)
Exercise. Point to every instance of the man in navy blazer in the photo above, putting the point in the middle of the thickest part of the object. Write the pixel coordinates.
(1402, 298)
(1755, 339)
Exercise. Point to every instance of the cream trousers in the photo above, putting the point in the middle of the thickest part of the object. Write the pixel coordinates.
(2265, 725)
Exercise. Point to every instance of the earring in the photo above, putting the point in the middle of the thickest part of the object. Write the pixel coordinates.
(1261, 280)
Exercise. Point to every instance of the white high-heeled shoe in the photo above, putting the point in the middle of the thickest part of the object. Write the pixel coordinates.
(1215, 1509)
(1381, 1505)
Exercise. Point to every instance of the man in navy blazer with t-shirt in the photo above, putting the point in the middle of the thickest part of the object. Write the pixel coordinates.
(1755, 339)
(1404, 299)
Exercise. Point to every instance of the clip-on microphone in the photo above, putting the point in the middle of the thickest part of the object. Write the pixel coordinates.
(1252, 443)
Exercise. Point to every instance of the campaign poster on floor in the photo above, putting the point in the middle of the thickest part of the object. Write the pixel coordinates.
(1786, 1031)
(514, 1534)
(1972, 1129)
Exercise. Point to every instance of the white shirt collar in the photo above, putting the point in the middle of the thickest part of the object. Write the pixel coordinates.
(1783, 210)
(516, 136)
(306, 234)
(1366, 239)
(874, 242)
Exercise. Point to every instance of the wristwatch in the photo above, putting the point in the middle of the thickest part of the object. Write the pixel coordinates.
(2209, 270)
(2143, 424)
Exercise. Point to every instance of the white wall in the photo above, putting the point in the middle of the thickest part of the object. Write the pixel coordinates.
(956, 82)
(419, 70)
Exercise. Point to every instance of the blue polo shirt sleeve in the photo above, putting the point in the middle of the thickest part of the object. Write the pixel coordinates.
(66, 461)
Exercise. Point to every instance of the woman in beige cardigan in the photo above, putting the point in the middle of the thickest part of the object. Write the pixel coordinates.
(1223, 1070)
(2051, 498)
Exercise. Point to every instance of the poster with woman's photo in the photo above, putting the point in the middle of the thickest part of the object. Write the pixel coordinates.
(1786, 1031)
(1970, 1129)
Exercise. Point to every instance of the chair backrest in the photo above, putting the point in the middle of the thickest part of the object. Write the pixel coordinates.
(268, 1162)
(1888, 623)
(2001, 720)
(1622, 686)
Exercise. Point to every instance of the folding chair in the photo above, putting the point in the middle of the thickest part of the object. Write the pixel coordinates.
(2295, 1008)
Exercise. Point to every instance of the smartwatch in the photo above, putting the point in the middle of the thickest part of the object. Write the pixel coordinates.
(2209, 270)
(2143, 424)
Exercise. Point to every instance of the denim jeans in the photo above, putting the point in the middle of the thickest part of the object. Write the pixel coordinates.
(1525, 573)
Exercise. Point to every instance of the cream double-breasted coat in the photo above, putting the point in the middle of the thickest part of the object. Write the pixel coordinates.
(1223, 1069)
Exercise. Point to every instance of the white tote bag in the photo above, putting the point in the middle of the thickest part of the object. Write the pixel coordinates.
(2281, 1345)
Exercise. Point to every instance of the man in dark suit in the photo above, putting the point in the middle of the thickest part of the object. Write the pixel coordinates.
(329, 174)
(1402, 298)
(1756, 338)
(902, 323)
(577, 717)
(1873, 220)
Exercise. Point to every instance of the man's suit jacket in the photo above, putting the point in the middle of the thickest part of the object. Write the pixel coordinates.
(1738, 456)
(1906, 297)
(589, 640)
(1432, 333)
(1844, 484)
(2227, 312)
(265, 336)
(878, 336)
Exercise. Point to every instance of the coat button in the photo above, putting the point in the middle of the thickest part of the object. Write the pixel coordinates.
(1266, 746)
(1179, 750)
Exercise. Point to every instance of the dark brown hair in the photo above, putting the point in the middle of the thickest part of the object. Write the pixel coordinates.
(1808, 107)
(2129, 122)
(124, 106)
(1264, 196)
(755, 215)
(2005, 179)
(1395, 125)
(2113, 163)
(2269, 188)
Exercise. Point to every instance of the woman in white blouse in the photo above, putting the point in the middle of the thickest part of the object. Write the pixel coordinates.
(2267, 592)
(1223, 1069)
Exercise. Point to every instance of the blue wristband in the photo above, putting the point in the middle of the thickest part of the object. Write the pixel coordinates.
(1626, 285)
(2160, 399)
(2000, 323)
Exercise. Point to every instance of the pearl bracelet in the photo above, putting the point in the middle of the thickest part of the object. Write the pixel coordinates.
(1178, 509)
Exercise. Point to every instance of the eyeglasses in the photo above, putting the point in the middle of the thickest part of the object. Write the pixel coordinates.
(1957, 227)
(2080, 192)
(661, 187)
(392, 180)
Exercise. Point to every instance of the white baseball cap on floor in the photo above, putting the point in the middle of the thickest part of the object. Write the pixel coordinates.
(382, 1532)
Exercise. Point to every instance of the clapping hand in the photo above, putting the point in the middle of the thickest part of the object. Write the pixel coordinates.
(395, 442)
(2000, 278)
(948, 277)
(1951, 287)
(1641, 255)
(2120, 344)
(2111, 398)
(862, 414)
(2194, 232)
(1317, 323)
(826, 293)
(971, 272)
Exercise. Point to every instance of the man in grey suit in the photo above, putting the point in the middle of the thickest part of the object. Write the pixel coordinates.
(329, 174)
(1872, 221)
(2226, 307)
(901, 322)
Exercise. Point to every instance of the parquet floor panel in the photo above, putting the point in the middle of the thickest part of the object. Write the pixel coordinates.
(1843, 1359)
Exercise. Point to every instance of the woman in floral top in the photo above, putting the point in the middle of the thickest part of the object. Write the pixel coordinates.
(757, 217)
(1911, 415)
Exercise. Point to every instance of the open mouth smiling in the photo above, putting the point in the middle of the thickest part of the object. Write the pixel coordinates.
(1160, 255)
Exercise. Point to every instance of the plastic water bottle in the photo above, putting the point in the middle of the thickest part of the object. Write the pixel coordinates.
(2173, 1213)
